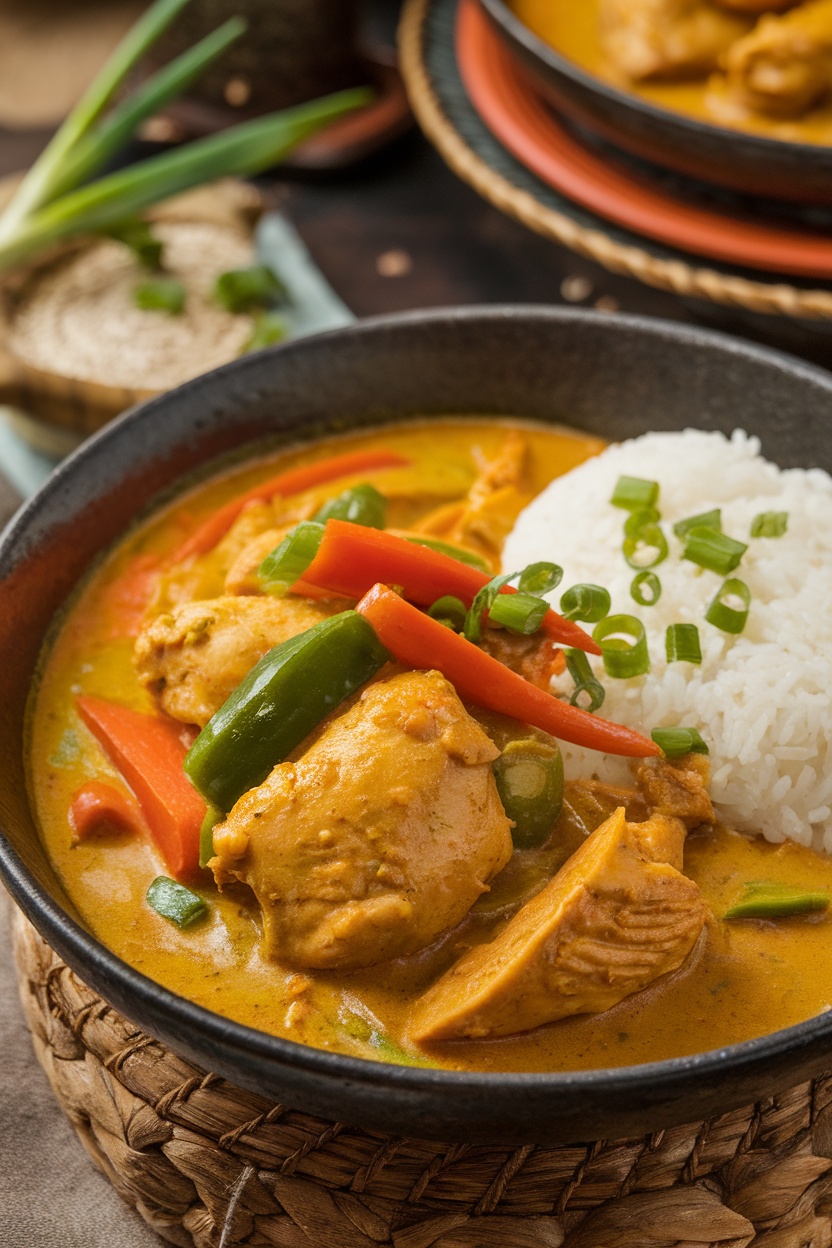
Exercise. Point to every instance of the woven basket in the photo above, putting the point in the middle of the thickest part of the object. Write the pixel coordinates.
(210, 1165)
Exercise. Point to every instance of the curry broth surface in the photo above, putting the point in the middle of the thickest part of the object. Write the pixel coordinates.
(745, 979)
(572, 28)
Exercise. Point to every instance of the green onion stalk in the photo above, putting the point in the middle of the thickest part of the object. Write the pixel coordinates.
(56, 200)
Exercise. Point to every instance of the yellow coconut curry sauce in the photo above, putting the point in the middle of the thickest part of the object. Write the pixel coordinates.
(741, 979)
(736, 66)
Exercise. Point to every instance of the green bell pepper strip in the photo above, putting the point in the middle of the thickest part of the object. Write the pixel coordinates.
(283, 698)
(363, 504)
(206, 834)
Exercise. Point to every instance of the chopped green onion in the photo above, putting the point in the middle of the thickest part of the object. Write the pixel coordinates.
(585, 681)
(288, 561)
(587, 603)
(623, 643)
(676, 742)
(522, 613)
(772, 900)
(633, 492)
(213, 816)
(269, 329)
(713, 550)
(646, 588)
(455, 552)
(450, 611)
(540, 579)
(647, 548)
(139, 237)
(362, 504)
(682, 644)
(160, 294)
(482, 605)
(705, 520)
(770, 524)
(245, 290)
(175, 902)
(641, 519)
(729, 609)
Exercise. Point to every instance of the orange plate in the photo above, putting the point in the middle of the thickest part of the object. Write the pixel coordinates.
(523, 124)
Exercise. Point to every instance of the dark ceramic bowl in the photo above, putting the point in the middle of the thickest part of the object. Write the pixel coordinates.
(613, 376)
(751, 163)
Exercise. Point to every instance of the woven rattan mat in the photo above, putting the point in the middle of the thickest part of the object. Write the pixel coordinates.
(443, 110)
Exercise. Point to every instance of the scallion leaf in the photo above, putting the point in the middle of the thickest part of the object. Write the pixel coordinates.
(646, 589)
(139, 237)
(634, 492)
(175, 902)
(682, 644)
(729, 609)
(482, 605)
(269, 329)
(623, 643)
(288, 561)
(522, 613)
(676, 742)
(705, 520)
(244, 290)
(455, 552)
(585, 680)
(713, 550)
(540, 579)
(772, 900)
(770, 524)
(641, 519)
(647, 548)
(161, 294)
(586, 603)
(449, 610)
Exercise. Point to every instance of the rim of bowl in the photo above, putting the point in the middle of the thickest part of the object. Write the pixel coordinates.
(503, 16)
(53, 920)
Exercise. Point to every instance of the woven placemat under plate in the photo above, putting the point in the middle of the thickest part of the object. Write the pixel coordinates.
(212, 1166)
(442, 108)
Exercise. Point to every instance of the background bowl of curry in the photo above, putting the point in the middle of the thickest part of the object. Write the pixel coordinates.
(750, 163)
(611, 376)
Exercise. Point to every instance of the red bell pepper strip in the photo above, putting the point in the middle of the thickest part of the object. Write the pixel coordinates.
(97, 808)
(351, 558)
(148, 752)
(418, 641)
(294, 481)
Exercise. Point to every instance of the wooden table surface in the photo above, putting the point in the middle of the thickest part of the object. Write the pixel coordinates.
(401, 231)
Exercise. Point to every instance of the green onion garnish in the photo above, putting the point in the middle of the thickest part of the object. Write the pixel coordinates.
(175, 902)
(713, 550)
(522, 613)
(245, 290)
(139, 237)
(770, 524)
(623, 643)
(160, 294)
(771, 900)
(676, 742)
(362, 504)
(705, 520)
(641, 519)
(540, 579)
(455, 552)
(646, 589)
(269, 329)
(482, 605)
(587, 603)
(633, 492)
(682, 644)
(647, 548)
(729, 609)
(450, 611)
(213, 816)
(288, 561)
(585, 681)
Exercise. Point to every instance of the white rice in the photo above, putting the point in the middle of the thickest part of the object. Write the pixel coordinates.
(760, 700)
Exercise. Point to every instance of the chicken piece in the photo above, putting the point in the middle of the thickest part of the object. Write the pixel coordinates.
(484, 519)
(617, 915)
(194, 657)
(536, 658)
(242, 576)
(379, 837)
(654, 39)
(679, 790)
(784, 66)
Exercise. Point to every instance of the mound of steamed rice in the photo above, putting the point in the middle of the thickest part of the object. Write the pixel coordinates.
(761, 700)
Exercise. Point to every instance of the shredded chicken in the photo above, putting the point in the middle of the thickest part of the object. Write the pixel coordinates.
(784, 66)
(653, 39)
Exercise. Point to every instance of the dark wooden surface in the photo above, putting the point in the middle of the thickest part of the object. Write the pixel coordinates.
(400, 231)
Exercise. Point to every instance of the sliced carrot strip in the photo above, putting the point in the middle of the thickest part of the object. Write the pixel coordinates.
(418, 641)
(97, 808)
(351, 558)
(148, 752)
(294, 481)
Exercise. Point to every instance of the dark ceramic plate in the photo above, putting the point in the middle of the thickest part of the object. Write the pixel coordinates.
(613, 376)
(770, 168)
